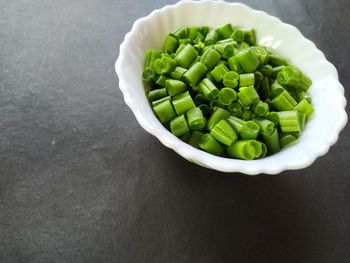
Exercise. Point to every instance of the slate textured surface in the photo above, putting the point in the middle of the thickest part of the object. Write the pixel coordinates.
(80, 181)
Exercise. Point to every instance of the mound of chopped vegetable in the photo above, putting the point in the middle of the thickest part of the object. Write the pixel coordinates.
(220, 92)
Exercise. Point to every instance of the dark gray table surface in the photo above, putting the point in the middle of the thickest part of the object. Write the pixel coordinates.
(81, 181)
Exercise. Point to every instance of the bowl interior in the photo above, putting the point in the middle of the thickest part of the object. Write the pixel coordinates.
(327, 93)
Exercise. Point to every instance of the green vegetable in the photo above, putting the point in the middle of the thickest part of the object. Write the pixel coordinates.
(250, 100)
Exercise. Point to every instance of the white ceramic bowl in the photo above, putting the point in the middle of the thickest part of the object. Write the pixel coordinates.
(327, 93)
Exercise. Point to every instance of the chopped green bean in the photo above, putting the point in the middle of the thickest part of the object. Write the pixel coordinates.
(195, 73)
(164, 111)
(195, 138)
(175, 87)
(210, 145)
(289, 121)
(183, 102)
(186, 56)
(247, 79)
(195, 118)
(224, 133)
(230, 79)
(304, 107)
(218, 115)
(171, 44)
(210, 58)
(226, 96)
(209, 90)
(248, 95)
(218, 72)
(178, 125)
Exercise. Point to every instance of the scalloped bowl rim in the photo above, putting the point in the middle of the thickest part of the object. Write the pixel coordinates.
(266, 165)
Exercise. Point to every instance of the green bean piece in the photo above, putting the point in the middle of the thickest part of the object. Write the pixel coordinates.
(184, 42)
(266, 70)
(183, 102)
(258, 77)
(206, 110)
(265, 90)
(192, 32)
(186, 56)
(249, 130)
(302, 120)
(180, 33)
(218, 115)
(199, 99)
(266, 126)
(249, 36)
(247, 79)
(178, 73)
(170, 44)
(235, 109)
(157, 94)
(175, 87)
(244, 149)
(210, 77)
(284, 101)
(164, 65)
(225, 31)
(178, 126)
(234, 65)
(199, 47)
(276, 89)
(248, 60)
(195, 138)
(247, 96)
(216, 103)
(263, 150)
(161, 80)
(151, 56)
(218, 72)
(164, 111)
(289, 121)
(211, 38)
(300, 95)
(286, 138)
(198, 38)
(273, 116)
(149, 75)
(260, 108)
(195, 118)
(261, 54)
(272, 141)
(226, 49)
(194, 74)
(181, 47)
(210, 145)
(186, 137)
(223, 133)
(237, 35)
(243, 45)
(230, 79)
(226, 96)
(293, 78)
(236, 123)
(209, 90)
(276, 70)
(304, 107)
(204, 30)
(277, 60)
(246, 115)
(158, 101)
(210, 58)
